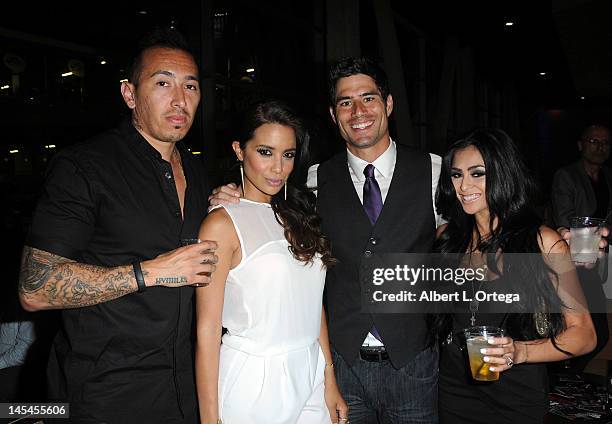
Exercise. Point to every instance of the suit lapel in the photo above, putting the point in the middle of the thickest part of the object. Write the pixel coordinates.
(587, 187)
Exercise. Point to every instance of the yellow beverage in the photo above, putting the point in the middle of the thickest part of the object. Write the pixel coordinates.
(480, 368)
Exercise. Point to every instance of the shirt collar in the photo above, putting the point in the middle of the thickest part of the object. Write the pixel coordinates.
(384, 164)
(141, 144)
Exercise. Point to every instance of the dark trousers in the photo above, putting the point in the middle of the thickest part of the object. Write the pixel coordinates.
(377, 393)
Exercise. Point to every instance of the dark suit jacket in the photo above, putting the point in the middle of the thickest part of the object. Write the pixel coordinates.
(572, 193)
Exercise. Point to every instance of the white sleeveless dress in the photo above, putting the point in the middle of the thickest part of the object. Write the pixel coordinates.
(271, 364)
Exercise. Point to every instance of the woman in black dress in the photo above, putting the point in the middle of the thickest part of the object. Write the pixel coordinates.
(484, 194)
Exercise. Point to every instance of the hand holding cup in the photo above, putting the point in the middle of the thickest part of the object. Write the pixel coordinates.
(207, 260)
(489, 352)
(586, 238)
(188, 265)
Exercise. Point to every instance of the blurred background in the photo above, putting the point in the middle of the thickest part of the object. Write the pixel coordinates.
(539, 69)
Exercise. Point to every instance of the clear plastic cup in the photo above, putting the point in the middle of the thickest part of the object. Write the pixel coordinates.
(585, 236)
(187, 242)
(476, 338)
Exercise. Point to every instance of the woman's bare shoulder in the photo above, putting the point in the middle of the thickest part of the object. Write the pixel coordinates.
(550, 241)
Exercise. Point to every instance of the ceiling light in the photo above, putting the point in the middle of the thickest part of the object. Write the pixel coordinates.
(249, 70)
(581, 97)
(142, 12)
(509, 23)
(4, 87)
(103, 62)
(13, 151)
(196, 153)
(50, 146)
(66, 74)
(542, 73)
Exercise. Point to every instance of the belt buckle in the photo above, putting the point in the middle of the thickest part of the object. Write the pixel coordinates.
(373, 355)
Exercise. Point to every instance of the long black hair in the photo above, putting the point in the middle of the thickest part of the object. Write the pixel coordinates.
(297, 214)
(514, 227)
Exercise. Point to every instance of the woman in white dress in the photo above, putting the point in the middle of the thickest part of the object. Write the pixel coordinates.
(274, 363)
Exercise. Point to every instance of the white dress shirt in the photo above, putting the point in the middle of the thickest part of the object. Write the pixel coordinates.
(384, 166)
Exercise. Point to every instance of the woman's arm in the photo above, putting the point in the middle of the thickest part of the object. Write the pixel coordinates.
(333, 398)
(579, 336)
(209, 305)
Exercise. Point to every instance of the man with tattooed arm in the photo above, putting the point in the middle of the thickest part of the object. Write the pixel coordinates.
(104, 247)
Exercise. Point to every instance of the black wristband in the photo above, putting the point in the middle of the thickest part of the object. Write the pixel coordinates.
(139, 277)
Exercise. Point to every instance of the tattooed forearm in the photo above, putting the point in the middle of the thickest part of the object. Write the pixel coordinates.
(170, 280)
(48, 281)
(36, 266)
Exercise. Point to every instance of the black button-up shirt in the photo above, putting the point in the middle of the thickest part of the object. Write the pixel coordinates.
(107, 202)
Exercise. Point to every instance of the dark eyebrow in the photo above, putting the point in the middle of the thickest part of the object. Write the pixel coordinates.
(374, 93)
(272, 148)
(166, 73)
(469, 169)
(171, 75)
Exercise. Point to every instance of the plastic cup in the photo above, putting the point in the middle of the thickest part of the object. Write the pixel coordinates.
(476, 338)
(585, 236)
(187, 242)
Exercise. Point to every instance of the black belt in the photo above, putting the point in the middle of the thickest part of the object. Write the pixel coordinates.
(378, 354)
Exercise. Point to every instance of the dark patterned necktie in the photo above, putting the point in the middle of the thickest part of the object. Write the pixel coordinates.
(372, 204)
(372, 199)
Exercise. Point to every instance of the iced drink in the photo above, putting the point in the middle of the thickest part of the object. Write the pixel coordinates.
(584, 241)
(476, 339)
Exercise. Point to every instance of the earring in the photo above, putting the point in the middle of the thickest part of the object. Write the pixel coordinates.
(285, 190)
(242, 177)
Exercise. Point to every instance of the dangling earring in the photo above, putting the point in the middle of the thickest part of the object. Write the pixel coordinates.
(285, 190)
(242, 178)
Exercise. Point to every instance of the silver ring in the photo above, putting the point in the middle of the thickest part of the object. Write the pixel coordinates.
(509, 361)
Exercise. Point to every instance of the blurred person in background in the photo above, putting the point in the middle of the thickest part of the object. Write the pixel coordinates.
(584, 188)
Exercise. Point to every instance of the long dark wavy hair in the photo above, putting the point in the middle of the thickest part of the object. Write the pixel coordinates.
(510, 190)
(297, 214)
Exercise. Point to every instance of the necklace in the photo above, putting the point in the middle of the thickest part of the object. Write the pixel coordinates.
(475, 303)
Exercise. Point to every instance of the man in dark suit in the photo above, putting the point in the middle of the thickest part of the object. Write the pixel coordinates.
(375, 197)
(383, 367)
(584, 188)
